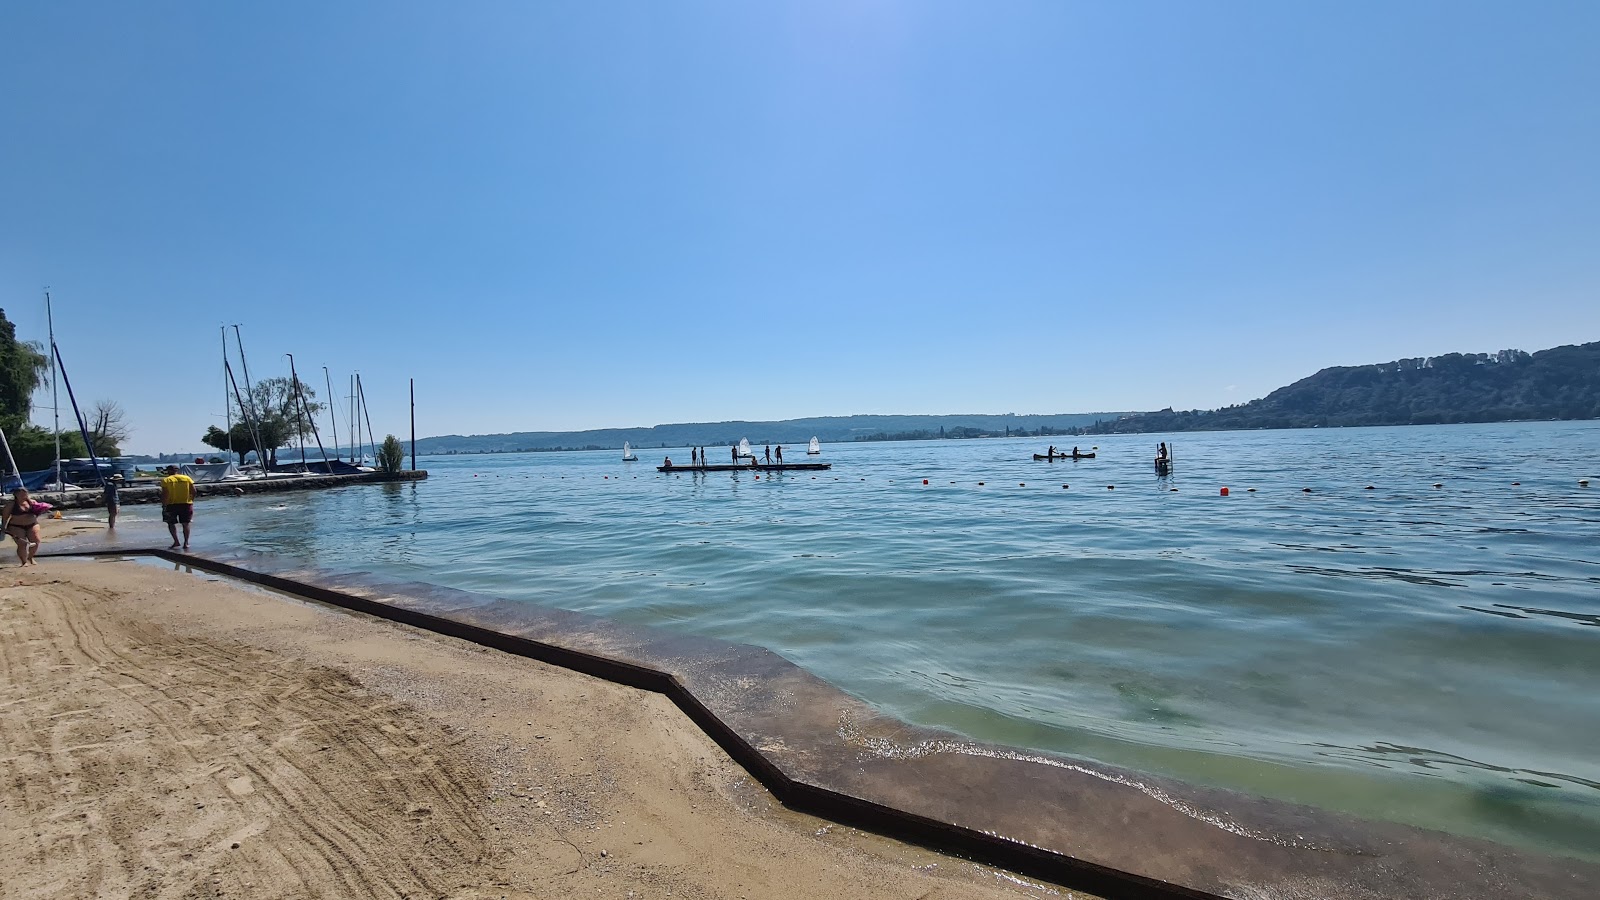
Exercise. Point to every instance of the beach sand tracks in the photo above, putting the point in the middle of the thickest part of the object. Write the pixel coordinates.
(171, 766)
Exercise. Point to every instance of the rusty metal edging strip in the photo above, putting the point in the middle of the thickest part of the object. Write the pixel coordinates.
(943, 837)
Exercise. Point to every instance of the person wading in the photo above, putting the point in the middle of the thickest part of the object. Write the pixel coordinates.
(177, 504)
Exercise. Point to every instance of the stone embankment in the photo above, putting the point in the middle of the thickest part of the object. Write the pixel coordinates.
(150, 493)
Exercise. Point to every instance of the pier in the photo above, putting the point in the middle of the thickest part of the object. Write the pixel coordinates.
(141, 492)
(759, 467)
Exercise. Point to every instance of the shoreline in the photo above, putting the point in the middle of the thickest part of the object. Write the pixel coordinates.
(1066, 821)
(170, 733)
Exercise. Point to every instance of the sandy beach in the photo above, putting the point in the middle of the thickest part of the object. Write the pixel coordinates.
(164, 734)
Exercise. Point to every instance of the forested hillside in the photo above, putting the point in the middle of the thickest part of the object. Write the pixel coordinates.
(829, 429)
(1559, 383)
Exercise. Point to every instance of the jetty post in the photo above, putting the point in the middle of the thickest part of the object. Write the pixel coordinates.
(413, 424)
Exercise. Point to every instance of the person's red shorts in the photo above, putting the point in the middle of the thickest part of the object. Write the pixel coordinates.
(177, 513)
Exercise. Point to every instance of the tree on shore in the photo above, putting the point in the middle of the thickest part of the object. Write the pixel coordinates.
(276, 414)
(240, 440)
(108, 428)
(391, 455)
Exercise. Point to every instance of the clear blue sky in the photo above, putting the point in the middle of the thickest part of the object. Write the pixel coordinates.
(570, 215)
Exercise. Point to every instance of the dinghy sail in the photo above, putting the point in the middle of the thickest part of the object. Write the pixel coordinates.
(814, 448)
(744, 449)
(627, 453)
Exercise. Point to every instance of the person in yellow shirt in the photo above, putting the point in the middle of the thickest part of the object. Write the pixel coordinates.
(177, 504)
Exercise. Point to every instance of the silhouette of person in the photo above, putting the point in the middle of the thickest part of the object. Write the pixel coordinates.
(768, 453)
(780, 454)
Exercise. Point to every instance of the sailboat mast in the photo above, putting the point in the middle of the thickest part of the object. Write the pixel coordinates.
(370, 436)
(333, 417)
(250, 409)
(9, 458)
(227, 404)
(55, 402)
(300, 394)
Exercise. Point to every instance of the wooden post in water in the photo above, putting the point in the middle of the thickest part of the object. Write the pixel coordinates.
(413, 424)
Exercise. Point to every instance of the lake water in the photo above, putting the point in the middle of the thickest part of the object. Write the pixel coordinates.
(1428, 655)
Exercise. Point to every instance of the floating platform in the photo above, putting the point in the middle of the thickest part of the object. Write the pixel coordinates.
(769, 467)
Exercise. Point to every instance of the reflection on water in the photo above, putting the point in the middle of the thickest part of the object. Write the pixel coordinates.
(1418, 653)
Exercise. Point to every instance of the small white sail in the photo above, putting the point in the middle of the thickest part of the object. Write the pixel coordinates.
(813, 448)
(744, 449)
(627, 452)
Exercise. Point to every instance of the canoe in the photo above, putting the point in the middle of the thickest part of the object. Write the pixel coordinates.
(1064, 456)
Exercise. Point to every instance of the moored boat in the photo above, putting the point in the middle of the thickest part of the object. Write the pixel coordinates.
(1063, 456)
(813, 448)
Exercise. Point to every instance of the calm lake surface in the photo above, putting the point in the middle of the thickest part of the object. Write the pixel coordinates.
(1428, 655)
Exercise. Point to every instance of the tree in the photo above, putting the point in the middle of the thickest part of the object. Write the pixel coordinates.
(22, 368)
(390, 455)
(35, 447)
(239, 439)
(108, 428)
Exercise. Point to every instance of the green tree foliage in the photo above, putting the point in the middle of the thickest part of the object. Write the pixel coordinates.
(22, 368)
(35, 447)
(242, 441)
(391, 455)
(1559, 383)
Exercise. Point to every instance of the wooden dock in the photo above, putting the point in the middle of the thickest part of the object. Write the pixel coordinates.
(759, 467)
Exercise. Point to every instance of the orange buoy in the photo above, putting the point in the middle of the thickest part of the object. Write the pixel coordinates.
(1224, 492)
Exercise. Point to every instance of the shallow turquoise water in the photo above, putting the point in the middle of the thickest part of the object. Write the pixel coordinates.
(1420, 654)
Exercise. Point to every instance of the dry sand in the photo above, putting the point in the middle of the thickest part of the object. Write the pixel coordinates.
(168, 734)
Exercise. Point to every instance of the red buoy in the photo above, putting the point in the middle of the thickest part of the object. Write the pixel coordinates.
(1224, 492)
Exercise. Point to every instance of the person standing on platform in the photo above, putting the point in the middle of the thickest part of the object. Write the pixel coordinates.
(734, 452)
(694, 456)
(177, 504)
(769, 454)
(780, 454)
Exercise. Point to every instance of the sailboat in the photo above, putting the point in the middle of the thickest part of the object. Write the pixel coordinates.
(744, 449)
(627, 453)
(813, 448)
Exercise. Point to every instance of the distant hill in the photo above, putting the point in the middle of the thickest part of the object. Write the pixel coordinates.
(1559, 383)
(828, 429)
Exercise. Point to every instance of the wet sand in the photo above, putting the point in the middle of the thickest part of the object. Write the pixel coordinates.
(168, 734)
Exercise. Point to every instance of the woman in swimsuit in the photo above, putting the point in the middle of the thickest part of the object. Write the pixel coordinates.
(21, 523)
